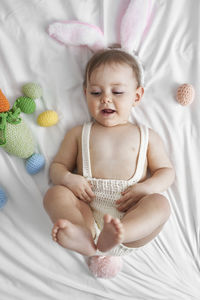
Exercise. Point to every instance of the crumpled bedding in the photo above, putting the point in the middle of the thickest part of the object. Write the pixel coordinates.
(32, 266)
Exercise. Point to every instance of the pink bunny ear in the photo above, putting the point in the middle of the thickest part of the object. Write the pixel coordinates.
(76, 33)
(134, 22)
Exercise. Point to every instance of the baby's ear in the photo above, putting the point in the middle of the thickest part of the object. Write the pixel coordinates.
(138, 95)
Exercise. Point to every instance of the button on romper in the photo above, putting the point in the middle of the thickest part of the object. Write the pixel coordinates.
(108, 191)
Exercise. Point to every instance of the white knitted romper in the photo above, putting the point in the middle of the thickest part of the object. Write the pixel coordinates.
(107, 191)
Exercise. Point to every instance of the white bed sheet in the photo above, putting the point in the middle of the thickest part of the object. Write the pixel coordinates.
(32, 266)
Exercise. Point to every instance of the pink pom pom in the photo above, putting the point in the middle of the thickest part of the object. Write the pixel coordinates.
(105, 266)
(185, 94)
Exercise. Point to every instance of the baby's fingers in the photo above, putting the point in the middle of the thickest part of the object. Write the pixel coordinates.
(122, 199)
(85, 197)
(126, 191)
(125, 205)
(90, 194)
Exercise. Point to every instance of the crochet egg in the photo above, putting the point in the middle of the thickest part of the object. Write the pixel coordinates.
(185, 94)
(32, 90)
(3, 198)
(35, 163)
(47, 118)
(26, 104)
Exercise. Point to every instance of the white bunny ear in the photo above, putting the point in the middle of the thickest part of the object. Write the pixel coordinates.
(76, 33)
(134, 23)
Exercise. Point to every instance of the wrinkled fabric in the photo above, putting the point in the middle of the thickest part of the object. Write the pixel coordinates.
(32, 266)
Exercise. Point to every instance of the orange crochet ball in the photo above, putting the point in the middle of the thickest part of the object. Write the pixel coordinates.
(4, 104)
(185, 94)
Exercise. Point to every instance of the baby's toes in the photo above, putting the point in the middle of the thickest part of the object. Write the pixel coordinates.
(119, 228)
(54, 237)
(62, 223)
(118, 225)
(54, 232)
(107, 218)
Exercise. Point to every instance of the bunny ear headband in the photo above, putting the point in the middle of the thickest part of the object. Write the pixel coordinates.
(133, 26)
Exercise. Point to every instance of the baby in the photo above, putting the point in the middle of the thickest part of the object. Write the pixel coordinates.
(109, 205)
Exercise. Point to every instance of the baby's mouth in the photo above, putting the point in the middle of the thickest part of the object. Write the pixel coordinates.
(108, 111)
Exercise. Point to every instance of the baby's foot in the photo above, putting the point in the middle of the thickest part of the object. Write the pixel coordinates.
(111, 234)
(73, 237)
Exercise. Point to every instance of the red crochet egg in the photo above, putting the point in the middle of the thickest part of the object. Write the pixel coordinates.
(185, 94)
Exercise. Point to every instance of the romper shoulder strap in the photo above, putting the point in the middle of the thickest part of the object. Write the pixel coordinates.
(144, 140)
(86, 149)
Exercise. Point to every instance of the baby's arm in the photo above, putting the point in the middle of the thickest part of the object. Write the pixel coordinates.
(162, 171)
(65, 162)
(162, 174)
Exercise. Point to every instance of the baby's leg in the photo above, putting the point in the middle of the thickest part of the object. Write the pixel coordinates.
(140, 225)
(73, 220)
(145, 220)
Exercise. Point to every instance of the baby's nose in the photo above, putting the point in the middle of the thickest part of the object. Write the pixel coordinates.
(106, 99)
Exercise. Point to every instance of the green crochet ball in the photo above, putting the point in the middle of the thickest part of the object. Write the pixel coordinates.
(32, 90)
(26, 105)
(19, 140)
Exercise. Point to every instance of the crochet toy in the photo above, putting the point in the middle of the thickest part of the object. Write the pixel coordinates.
(133, 28)
(15, 136)
(47, 118)
(33, 91)
(3, 198)
(185, 94)
(105, 266)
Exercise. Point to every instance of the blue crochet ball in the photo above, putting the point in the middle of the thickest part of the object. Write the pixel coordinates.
(3, 198)
(35, 163)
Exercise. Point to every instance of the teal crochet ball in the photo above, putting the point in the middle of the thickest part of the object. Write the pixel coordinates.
(32, 90)
(3, 198)
(35, 163)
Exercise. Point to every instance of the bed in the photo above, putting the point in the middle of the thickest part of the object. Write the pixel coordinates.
(32, 266)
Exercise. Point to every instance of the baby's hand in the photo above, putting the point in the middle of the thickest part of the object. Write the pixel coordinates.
(79, 186)
(131, 196)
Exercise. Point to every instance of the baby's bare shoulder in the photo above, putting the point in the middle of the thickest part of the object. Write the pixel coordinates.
(154, 137)
(74, 132)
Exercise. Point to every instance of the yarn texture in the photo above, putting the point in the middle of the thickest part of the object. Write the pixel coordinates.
(35, 163)
(32, 90)
(27, 105)
(19, 140)
(4, 103)
(105, 266)
(185, 94)
(3, 198)
(47, 118)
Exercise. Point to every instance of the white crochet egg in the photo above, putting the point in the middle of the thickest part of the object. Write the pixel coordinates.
(185, 94)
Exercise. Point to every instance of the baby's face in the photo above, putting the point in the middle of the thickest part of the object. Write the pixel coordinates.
(111, 92)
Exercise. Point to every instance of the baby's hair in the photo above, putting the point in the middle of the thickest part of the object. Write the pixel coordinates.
(112, 55)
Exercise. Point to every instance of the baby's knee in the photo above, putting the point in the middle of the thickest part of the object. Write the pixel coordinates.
(162, 203)
(54, 194)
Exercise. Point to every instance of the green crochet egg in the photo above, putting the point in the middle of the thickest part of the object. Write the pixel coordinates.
(32, 90)
(19, 140)
(26, 105)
